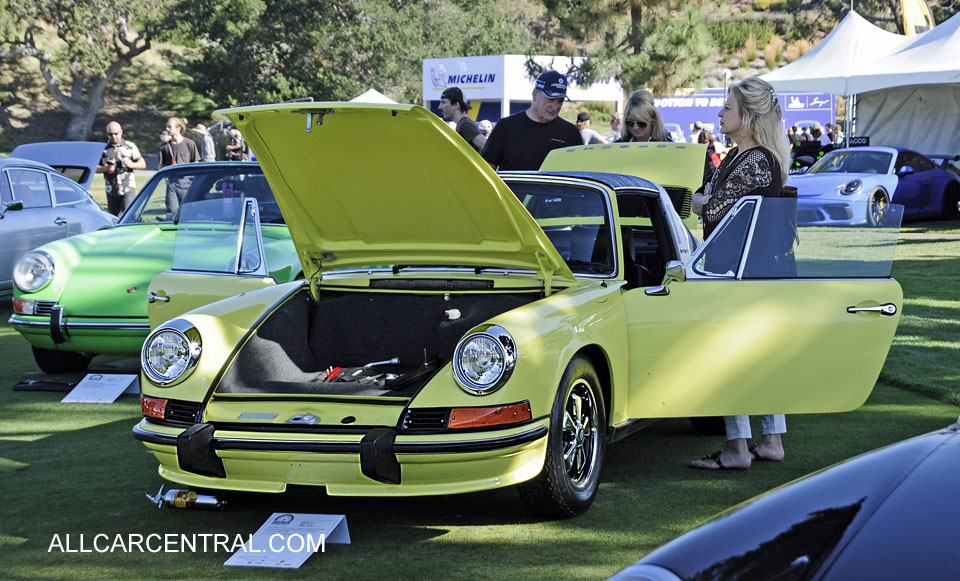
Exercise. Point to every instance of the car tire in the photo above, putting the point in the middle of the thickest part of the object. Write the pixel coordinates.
(951, 199)
(52, 361)
(878, 207)
(709, 426)
(568, 482)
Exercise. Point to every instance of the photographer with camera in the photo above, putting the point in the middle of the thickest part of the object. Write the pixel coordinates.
(117, 163)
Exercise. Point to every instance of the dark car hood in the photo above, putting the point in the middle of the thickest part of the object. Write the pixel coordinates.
(891, 513)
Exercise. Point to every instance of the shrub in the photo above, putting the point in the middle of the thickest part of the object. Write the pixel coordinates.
(750, 49)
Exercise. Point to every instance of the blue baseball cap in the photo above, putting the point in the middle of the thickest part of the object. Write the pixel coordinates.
(553, 85)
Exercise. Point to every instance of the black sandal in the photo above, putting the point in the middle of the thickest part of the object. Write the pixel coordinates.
(758, 458)
(720, 465)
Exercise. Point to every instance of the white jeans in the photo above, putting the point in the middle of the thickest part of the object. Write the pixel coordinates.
(739, 426)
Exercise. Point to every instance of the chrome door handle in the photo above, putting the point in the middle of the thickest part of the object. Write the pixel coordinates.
(59, 221)
(154, 297)
(888, 309)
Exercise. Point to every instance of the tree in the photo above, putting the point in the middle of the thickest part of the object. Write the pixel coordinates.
(659, 44)
(96, 39)
(256, 51)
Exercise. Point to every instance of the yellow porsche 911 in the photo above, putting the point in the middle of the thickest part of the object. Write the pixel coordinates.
(459, 330)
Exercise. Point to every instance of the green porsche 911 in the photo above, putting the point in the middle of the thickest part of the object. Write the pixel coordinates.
(88, 294)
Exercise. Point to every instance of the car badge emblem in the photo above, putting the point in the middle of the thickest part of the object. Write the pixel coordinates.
(304, 419)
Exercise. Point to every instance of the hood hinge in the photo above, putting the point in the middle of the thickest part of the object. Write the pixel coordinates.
(315, 277)
(545, 273)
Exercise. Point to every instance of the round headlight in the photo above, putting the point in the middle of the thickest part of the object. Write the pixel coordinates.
(171, 352)
(484, 360)
(851, 187)
(33, 270)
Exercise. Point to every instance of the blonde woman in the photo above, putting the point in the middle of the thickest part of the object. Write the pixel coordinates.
(757, 166)
(642, 120)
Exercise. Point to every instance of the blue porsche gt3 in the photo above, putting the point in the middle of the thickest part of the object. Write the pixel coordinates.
(857, 184)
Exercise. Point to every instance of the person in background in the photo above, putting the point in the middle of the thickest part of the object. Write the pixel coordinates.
(615, 125)
(453, 108)
(485, 128)
(117, 163)
(523, 140)
(208, 151)
(825, 138)
(642, 120)
(697, 132)
(712, 161)
(837, 136)
(166, 152)
(183, 151)
(235, 145)
(758, 165)
(590, 137)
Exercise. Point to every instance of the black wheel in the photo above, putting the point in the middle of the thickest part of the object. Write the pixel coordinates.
(709, 426)
(570, 477)
(878, 207)
(951, 203)
(51, 361)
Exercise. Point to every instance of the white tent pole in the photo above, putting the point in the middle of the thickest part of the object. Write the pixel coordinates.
(851, 114)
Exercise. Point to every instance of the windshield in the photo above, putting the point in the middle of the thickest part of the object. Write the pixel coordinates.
(576, 221)
(775, 246)
(161, 198)
(853, 161)
(219, 236)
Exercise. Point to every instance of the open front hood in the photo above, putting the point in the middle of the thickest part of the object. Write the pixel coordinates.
(62, 155)
(365, 184)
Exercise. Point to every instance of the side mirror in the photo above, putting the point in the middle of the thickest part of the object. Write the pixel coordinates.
(12, 205)
(906, 170)
(675, 272)
(804, 169)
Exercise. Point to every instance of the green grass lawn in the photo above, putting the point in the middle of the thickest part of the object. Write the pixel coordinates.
(76, 469)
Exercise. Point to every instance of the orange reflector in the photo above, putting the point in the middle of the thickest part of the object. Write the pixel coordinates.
(153, 407)
(489, 416)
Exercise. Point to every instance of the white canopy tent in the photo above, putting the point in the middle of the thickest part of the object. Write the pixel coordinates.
(372, 96)
(907, 88)
(827, 68)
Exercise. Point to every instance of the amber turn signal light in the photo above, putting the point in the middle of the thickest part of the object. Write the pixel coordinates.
(489, 416)
(153, 407)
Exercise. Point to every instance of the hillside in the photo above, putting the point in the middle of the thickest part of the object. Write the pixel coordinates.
(751, 38)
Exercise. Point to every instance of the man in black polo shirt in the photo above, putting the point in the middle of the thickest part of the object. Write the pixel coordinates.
(523, 140)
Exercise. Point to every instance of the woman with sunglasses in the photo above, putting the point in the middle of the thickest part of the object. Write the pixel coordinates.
(642, 121)
(757, 166)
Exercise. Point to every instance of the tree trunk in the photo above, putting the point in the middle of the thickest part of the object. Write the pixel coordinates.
(84, 114)
(636, 23)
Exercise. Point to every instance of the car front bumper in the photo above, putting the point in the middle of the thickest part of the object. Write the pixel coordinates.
(106, 336)
(379, 462)
(829, 212)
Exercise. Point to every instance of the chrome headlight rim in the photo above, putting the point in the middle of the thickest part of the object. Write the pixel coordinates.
(851, 187)
(18, 275)
(507, 350)
(189, 334)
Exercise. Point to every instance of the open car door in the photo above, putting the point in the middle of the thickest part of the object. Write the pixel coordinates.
(218, 253)
(766, 318)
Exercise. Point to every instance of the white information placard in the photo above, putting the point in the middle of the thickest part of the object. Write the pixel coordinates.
(103, 388)
(286, 540)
